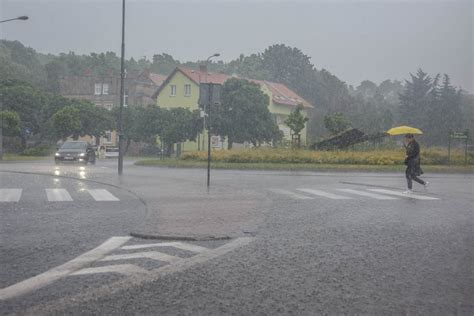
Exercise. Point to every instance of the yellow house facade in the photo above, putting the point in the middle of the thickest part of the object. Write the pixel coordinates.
(181, 89)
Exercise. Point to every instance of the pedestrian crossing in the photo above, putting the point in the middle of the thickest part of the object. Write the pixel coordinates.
(348, 194)
(56, 195)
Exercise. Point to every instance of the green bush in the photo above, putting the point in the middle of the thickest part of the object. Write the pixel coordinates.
(430, 156)
(39, 151)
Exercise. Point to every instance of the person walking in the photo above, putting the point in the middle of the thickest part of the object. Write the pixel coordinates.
(412, 161)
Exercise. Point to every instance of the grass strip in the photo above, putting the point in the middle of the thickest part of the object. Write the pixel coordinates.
(176, 163)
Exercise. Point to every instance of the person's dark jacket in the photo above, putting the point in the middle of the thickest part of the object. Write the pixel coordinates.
(413, 158)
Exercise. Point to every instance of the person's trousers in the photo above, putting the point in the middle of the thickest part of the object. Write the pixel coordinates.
(411, 176)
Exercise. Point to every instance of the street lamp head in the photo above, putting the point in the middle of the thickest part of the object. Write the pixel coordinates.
(216, 55)
(23, 17)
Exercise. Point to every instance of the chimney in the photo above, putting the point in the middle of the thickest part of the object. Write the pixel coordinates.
(203, 68)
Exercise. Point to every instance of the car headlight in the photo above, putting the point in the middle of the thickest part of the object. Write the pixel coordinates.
(82, 155)
(57, 154)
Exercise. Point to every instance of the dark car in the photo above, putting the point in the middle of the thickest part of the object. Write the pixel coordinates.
(75, 151)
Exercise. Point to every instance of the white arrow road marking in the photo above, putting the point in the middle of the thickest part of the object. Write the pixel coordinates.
(58, 195)
(291, 194)
(102, 195)
(368, 194)
(136, 280)
(179, 245)
(325, 194)
(10, 195)
(155, 255)
(410, 196)
(126, 269)
(61, 271)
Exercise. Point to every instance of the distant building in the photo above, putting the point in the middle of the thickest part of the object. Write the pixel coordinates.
(181, 89)
(105, 92)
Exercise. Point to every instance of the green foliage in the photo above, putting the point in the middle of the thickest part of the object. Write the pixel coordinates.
(430, 156)
(178, 125)
(296, 121)
(336, 123)
(432, 106)
(39, 151)
(67, 122)
(10, 123)
(243, 115)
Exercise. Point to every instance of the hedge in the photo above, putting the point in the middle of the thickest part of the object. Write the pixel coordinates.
(430, 156)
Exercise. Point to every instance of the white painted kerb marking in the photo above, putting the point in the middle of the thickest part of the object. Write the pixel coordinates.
(126, 269)
(102, 195)
(179, 245)
(368, 194)
(155, 255)
(58, 195)
(291, 194)
(325, 194)
(410, 196)
(10, 195)
(61, 271)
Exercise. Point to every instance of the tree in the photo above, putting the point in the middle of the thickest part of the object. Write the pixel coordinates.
(67, 122)
(243, 114)
(296, 122)
(178, 125)
(10, 123)
(336, 123)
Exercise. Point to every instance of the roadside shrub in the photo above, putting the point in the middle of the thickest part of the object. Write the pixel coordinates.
(431, 156)
(39, 151)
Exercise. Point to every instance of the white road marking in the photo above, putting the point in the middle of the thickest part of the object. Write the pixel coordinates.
(58, 195)
(410, 196)
(368, 194)
(63, 270)
(56, 306)
(102, 195)
(291, 194)
(126, 269)
(325, 194)
(10, 195)
(179, 245)
(155, 255)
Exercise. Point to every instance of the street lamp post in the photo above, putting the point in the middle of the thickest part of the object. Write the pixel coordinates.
(209, 124)
(204, 119)
(122, 94)
(21, 18)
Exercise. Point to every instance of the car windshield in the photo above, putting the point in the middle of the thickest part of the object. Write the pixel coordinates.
(74, 145)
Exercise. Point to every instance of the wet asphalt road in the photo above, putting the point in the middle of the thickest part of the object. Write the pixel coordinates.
(309, 255)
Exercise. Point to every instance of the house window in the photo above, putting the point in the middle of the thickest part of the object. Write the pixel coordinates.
(105, 88)
(187, 90)
(98, 89)
(173, 90)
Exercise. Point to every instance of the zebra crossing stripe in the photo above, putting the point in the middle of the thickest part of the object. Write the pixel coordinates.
(58, 195)
(155, 255)
(126, 269)
(325, 194)
(10, 195)
(410, 196)
(102, 195)
(179, 245)
(291, 194)
(368, 194)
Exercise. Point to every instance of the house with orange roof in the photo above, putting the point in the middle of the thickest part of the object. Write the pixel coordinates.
(181, 89)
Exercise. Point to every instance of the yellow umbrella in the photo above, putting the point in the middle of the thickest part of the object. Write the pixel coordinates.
(400, 130)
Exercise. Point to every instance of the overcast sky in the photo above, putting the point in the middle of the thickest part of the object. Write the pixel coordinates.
(355, 40)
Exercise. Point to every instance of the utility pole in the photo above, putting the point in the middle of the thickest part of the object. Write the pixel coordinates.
(209, 108)
(122, 94)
